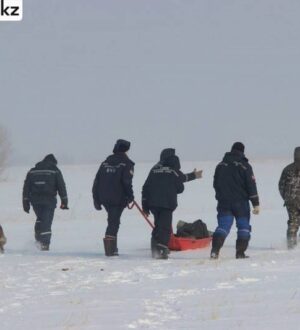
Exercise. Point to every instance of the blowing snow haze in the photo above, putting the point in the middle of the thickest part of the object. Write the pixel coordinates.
(195, 75)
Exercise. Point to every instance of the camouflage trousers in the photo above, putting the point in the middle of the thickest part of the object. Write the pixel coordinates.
(293, 225)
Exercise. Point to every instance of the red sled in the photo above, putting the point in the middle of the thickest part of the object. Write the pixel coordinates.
(187, 243)
(178, 243)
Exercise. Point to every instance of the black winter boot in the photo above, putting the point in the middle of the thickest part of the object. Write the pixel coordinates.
(160, 251)
(110, 246)
(44, 247)
(241, 247)
(217, 243)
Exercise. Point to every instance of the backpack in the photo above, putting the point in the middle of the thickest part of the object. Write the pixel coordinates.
(197, 229)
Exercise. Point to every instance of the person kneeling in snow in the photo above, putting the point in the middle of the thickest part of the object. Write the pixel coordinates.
(289, 187)
(235, 185)
(159, 195)
(2, 240)
(40, 189)
(112, 188)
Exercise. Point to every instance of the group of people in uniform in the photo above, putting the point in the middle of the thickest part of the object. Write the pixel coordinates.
(234, 184)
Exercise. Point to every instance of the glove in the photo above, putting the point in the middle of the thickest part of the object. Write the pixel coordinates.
(256, 210)
(97, 206)
(198, 174)
(26, 205)
(129, 200)
(146, 211)
(64, 207)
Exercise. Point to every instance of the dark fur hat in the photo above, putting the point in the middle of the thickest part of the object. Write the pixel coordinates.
(121, 146)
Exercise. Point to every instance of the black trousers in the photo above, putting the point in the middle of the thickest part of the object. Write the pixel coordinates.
(113, 219)
(42, 228)
(163, 225)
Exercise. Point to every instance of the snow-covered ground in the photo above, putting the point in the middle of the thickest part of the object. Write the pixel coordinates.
(74, 286)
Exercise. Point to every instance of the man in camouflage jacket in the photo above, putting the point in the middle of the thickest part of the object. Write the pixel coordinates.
(289, 187)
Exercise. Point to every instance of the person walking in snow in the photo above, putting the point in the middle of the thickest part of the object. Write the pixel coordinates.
(41, 186)
(289, 188)
(159, 196)
(235, 185)
(2, 240)
(112, 189)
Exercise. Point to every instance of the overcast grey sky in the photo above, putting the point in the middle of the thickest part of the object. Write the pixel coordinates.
(192, 74)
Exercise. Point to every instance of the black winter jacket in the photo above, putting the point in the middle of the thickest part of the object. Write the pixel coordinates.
(234, 180)
(43, 182)
(164, 182)
(113, 182)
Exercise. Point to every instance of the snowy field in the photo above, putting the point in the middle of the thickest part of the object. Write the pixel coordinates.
(74, 286)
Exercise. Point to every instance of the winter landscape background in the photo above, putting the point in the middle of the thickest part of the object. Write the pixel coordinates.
(75, 286)
(193, 74)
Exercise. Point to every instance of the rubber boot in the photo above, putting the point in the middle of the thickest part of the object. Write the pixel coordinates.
(217, 243)
(110, 245)
(241, 247)
(2, 240)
